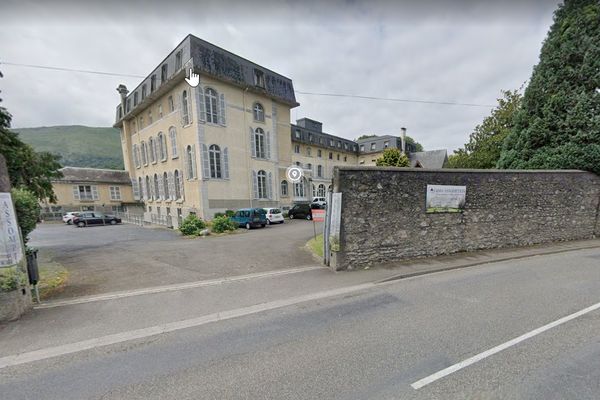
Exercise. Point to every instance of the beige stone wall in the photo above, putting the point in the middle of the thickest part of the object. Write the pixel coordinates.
(68, 202)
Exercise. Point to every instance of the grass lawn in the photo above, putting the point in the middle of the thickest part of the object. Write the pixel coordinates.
(316, 245)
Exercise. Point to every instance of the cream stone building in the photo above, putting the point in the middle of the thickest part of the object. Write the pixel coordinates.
(92, 189)
(223, 144)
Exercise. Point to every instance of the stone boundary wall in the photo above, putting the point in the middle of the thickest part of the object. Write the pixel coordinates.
(383, 215)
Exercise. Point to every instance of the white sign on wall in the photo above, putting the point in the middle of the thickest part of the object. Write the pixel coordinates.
(445, 198)
(11, 250)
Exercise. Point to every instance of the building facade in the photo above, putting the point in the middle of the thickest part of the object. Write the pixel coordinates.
(223, 144)
(92, 189)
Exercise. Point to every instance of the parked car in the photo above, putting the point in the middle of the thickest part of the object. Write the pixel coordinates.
(274, 215)
(68, 217)
(250, 218)
(299, 211)
(95, 218)
(320, 201)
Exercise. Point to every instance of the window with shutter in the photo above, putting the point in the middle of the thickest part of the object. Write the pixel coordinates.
(173, 136)
(206, 171)
(252, 143)
(136, 189)
(268, 146)
(76, 192)
(194, 167)
(166, 195)
(95, 192)
(254, 185)
(222, 108)
(212, 108)
(270, 186)
(181, 187)
(178, 186)
(225, 163)
(172, 193)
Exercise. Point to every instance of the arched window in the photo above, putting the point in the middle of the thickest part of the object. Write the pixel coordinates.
(136, 156)
(320, 171)
(162, 146)
(190, 158)
(173, 137)
(321, 191)
(284, 188)
(143, 194)
(261, 184)
(299, 189)
(166, 186)
(152, 150)
(185, 116)
(259, 143)
(259, 112)
(214, 157)
(177, 184)
(211, 104)
(156, 187)
(148, 189)
(144, 153)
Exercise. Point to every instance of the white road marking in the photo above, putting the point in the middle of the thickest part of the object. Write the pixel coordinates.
(171, 288)
(42, 354)
(472, 360)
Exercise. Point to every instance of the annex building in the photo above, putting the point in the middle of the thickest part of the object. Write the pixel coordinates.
(225, 143)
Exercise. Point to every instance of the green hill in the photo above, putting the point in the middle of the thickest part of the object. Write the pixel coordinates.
(79, 146)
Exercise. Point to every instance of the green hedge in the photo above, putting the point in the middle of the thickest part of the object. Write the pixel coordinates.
(192, 225)
(222, 224)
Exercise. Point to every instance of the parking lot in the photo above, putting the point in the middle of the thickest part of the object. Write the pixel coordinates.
(112, 258)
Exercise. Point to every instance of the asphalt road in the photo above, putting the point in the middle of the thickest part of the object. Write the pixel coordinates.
(371, 342)
(110, 258)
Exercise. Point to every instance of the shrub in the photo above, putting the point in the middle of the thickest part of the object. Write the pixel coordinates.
(27, 209)
(229, 213)
(219, 214)
(192, 225)
(222, 224)
(11, 279)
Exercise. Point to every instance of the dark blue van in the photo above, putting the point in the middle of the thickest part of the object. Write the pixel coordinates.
(250, 217)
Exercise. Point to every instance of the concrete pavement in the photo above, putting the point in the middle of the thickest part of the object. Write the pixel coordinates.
(372, 342)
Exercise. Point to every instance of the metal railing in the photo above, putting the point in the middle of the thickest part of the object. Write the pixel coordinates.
(136, 219)
(164, 220)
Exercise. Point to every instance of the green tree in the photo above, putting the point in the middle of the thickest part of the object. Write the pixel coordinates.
(27, 169)
(558, 125)
(485, 142)
(392, 157)
(27, 208)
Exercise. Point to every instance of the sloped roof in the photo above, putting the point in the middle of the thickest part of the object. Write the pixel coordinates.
(94, 175)
(429, 159)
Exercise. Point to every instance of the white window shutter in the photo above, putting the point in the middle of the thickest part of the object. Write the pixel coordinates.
(181, 185)
(205, 163)
(171, 184)
(190, 108)
(173, 136)
(194, 168)
(186, 162)
(95, 193)
(76, 192)
(135, 189)
(268, 145)
(270, 186)
(225, 163)
(161, 189)
(202, 104)
(222, 108)
(254, 185)
(180, 108)
(252, 142)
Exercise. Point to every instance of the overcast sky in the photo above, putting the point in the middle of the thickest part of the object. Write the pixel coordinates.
(449, 51)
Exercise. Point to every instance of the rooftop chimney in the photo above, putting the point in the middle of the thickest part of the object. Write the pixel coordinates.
(122, 89)
(403, 136)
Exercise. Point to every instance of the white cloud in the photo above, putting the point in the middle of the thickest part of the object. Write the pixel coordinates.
(446, 51)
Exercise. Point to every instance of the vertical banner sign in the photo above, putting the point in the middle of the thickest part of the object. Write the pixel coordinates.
(11, 251)
(336, 213)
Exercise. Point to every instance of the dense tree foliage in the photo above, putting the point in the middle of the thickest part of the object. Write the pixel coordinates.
(27, 208)
(392, 157)
(485, 142)
(558, 125)
(27, 169)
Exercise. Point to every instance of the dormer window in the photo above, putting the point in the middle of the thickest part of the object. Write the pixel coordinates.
(297, 133)
(152, 83)
(163, 73)
(259, 78)
(386, 144)
(135, 99)
(178, 61)
(143, 92)
(373, 146)
(331, 143)
(362, 147)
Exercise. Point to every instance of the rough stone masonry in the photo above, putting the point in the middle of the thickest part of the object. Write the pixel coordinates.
(384, 219)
